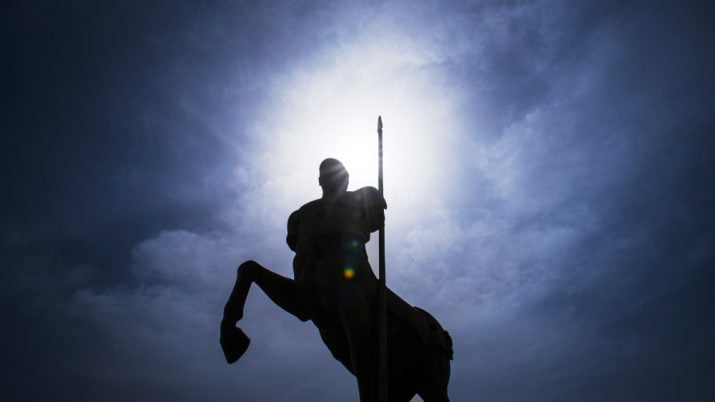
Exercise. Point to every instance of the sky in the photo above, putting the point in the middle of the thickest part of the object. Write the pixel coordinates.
(549, 170)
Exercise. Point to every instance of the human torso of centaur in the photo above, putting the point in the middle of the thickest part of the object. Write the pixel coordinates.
(328, 236)
(332, 232)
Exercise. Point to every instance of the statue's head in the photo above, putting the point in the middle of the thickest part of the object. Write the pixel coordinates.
(334, 177)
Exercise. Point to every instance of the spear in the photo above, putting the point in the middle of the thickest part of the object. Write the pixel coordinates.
(382, 289)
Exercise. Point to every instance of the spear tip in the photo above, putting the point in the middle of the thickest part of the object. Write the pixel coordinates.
(379, 123)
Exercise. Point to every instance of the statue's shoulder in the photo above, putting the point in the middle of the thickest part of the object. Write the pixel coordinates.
(298, 218)
(295, 217)
(372, 204)
(308, 206)
(369, 196)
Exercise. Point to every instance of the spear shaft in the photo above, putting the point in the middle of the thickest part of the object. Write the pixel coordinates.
(382, 289)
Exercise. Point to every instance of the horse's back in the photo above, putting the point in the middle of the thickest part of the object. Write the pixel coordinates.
(420, 351)
(428, 330)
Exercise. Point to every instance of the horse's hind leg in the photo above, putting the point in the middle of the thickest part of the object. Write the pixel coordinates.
(434, 388)
(435, 395)
(282, 291)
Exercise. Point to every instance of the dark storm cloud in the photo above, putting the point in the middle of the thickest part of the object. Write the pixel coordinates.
(95, 129)
(117, 130)
(573, 261)
(628, 297)
(584, 237)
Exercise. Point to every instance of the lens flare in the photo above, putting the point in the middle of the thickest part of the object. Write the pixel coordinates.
(354, 245)
(348, 273)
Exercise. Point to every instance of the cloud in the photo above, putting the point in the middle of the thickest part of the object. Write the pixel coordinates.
(166, 329)
(547, 174)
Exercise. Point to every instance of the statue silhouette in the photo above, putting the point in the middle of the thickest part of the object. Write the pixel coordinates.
(335, 287)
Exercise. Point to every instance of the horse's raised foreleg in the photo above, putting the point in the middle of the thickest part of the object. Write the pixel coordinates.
(283, 291)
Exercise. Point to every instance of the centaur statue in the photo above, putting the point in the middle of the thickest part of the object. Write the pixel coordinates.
(335, 287)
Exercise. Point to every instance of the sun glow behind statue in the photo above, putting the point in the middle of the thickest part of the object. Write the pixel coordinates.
(329, 108)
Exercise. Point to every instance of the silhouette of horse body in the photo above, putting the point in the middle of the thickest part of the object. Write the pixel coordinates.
(334, 287)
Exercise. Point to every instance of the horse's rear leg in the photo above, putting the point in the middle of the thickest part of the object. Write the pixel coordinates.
(281, 290)
(434, 388)
(435, 395)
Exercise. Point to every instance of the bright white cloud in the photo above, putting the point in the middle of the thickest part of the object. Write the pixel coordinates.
(330, 108)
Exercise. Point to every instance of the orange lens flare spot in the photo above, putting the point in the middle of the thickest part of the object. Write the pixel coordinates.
(348, 272)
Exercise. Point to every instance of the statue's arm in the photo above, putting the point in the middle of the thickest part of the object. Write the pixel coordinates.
(373, 205)
(293, 229)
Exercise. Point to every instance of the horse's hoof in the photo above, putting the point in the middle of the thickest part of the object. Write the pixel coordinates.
(234, 343)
